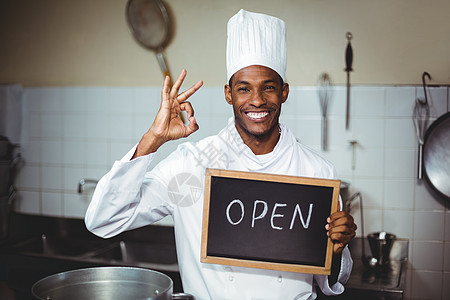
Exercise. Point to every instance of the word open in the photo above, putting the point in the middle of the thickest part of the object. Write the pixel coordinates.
(296, 214)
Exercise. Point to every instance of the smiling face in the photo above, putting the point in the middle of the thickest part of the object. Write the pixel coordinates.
(257, 93)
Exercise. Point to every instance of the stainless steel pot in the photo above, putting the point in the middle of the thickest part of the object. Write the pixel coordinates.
(108, 283)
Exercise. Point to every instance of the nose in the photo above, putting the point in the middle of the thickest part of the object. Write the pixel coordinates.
(257, 99)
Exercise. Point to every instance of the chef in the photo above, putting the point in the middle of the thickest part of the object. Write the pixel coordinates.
(132, 195)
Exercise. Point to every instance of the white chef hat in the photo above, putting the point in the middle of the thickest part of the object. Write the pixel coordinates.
(256, 39)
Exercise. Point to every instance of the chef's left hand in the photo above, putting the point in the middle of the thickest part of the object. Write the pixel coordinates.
(341, 228)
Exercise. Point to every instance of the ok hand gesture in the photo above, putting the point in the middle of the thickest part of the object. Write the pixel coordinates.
(167, 124)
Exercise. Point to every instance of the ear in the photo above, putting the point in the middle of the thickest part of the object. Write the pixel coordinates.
(227, 91)
(285, 92)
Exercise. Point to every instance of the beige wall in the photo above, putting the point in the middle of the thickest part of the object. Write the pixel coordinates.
(84, 42)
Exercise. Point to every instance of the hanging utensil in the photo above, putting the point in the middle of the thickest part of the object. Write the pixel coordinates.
(421, 114)
(152, 28)
(325, 93)
(348, 69)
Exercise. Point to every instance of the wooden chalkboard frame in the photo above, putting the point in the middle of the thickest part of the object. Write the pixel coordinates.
(290, 267)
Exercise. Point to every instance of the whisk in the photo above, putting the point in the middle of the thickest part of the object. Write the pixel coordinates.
(421, 115)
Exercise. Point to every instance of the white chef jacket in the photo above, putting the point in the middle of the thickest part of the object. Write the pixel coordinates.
(131, 196)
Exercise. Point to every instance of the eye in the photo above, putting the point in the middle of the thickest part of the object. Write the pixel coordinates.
(269, 87)
(243, 89)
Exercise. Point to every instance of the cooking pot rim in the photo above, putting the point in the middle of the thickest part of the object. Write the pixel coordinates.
(40, 285)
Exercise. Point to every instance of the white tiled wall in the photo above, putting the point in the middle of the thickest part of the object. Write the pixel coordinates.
(77, 132)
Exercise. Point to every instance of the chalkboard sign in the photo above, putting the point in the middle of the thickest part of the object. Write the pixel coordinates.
(268, 221)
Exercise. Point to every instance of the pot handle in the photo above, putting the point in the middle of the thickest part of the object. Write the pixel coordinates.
(182, 296)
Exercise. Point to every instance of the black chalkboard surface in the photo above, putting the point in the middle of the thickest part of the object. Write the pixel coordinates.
(268, 221)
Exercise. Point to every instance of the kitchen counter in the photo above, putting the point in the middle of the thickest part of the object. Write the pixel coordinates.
(387, 283)
(41, 246)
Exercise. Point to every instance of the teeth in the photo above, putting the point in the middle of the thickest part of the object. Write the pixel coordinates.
(257, 115)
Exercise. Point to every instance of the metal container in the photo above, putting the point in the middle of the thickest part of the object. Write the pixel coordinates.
(4, 147)
(108, 283)
(5, 177)
(381, 244)
(5, 209)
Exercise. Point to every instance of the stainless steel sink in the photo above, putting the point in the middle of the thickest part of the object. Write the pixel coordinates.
(39, 246)
(102, 251)
(135, 252)
(47, 245)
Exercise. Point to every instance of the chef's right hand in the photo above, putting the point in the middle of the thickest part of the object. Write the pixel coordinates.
(168, 124)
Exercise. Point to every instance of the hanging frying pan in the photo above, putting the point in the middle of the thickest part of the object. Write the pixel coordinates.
(436, 155)
(151, 26)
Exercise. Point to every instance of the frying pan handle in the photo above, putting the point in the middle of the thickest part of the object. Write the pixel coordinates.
(162, 64)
